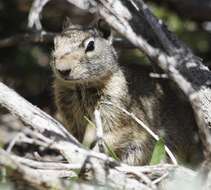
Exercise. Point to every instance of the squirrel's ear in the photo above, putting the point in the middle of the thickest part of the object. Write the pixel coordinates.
(67, 23)
(104, 30)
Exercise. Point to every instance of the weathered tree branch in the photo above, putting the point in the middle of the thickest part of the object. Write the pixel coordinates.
(48, 133)
(97, 167)
(32, 115)
(33, 177)
(36, 9)
(38, 37)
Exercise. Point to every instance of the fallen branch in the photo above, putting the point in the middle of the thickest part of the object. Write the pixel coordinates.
(104, 170)
(37, 6)
(38, 37)
(33, 177)
(32, 115)
(99, 146)
(46, 165)
(48, 133)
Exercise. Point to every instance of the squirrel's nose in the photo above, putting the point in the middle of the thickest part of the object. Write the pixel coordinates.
(64, 73)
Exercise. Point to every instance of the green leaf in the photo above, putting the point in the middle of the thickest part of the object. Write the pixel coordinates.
(3, 175)
(90, 123)
(6, 186)
(111, 152)
(158, 153)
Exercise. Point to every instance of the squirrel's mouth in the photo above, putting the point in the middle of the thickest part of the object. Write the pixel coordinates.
(86, 79)
(66, 78)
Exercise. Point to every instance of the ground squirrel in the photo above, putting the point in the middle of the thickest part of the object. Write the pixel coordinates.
(87, 74)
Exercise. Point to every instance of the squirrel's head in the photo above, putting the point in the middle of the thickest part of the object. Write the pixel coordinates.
(84, 55)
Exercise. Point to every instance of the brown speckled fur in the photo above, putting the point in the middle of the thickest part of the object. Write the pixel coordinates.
(96, 77)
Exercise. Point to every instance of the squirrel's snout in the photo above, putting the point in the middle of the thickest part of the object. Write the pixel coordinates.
(64, 73)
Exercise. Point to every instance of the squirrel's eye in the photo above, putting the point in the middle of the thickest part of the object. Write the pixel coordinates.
(90, 46)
